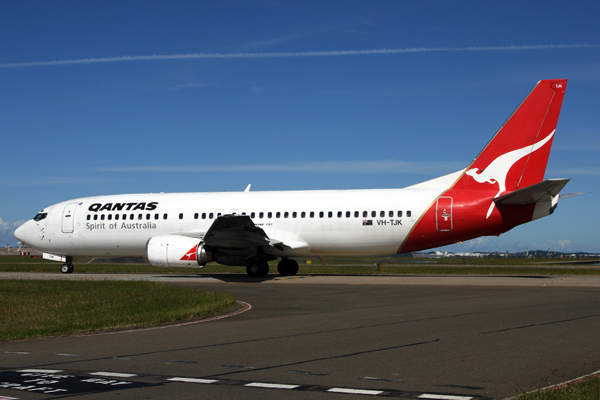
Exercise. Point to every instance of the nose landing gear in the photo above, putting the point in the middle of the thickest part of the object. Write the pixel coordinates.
(67, 268)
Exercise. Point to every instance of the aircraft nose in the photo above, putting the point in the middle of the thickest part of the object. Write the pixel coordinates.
(23, 233)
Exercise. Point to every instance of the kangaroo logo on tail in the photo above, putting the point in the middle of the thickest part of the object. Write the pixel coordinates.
(498, 169)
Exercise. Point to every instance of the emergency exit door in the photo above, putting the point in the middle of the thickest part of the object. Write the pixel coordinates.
(443, 214)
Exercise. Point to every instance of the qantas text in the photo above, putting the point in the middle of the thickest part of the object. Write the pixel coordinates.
(123, 206)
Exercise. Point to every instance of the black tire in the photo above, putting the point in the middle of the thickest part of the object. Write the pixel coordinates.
(257, 269)
(287, 267)
(66, 269)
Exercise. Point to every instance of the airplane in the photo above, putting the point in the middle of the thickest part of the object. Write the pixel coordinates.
(503, 187)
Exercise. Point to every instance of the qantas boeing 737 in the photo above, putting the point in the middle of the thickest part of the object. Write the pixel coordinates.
(502, 188)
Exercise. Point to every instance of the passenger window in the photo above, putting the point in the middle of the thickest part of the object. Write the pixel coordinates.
(140, 216)
(408, 213)
(391, 214)
(89, 217)
(356, 214)
(203, 215)
(109, 217)
(252, 215)
(147, 216)
(294, 214)
(330, 214)
(180, 216)
(116, 217)
(321, 214)
(286, 214)
(339, 214)
(365, 214)
(382, 214)
(196, 216)
(165, 216)
(261, 215)
(269, 214)
(347, 214)
(211, 216)
(155, 216)
(102, 217)
(131, 216)
(95, 217)
(312, 214)
(278, 214)
(124, 217)
(373, 214)
(399, 213)
(303, 215)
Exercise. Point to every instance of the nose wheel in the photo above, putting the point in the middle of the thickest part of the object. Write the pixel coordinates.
(67, 267)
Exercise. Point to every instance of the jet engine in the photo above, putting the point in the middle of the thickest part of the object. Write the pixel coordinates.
(177, 251)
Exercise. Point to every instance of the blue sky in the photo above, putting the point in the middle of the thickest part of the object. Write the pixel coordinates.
(122, 96)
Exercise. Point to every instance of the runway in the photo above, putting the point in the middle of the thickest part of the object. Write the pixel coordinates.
(333, 337)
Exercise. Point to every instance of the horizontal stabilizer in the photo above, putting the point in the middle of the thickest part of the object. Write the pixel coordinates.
(543, 191)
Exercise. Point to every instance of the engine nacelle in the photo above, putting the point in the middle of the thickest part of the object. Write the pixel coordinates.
(177, 251)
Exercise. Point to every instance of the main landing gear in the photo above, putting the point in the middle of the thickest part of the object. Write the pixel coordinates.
(259, 268)
(67, 267)
(287, 267)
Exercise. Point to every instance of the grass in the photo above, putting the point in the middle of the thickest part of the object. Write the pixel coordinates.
(587, 389)
(32, 309)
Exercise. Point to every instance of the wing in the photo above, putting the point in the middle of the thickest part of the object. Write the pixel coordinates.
(236, 232)
(237, 235)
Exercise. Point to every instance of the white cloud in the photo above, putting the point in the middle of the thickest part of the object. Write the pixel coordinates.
(6, 232)
(329, 53)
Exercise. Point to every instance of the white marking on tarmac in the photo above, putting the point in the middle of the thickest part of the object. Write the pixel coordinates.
(372, 378)
(443, 397)
(68, 355)
(8, 398)
(193, 380)
(271, 385)
(42, 371)
(17, 352)
(355, 391)
(113, 374)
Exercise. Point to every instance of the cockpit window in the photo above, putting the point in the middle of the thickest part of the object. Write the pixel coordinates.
(40, 216)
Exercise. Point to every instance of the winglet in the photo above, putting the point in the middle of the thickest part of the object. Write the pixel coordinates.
(247, 188)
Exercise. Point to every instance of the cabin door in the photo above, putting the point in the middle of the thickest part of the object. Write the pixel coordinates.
(68, 218)
(443, 214)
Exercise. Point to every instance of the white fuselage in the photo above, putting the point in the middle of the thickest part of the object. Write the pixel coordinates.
(330, 222)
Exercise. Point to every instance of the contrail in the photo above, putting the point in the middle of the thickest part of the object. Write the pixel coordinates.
(336, 53)
(377, 167)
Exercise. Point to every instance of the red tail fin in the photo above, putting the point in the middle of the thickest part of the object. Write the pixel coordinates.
(517, 155)
(515, 159)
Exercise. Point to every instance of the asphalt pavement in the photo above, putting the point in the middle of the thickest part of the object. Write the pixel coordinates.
(332, 337)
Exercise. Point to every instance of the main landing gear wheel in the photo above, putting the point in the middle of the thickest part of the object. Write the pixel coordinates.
(257, 269)
(287, 267)
(67, 268)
